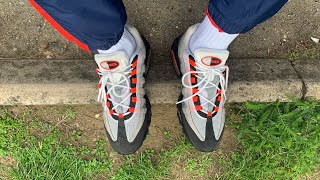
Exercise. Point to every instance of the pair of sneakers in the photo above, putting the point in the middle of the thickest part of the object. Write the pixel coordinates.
(127, 109)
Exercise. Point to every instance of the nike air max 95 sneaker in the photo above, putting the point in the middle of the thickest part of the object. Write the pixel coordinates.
(126, 107)
(201, 104)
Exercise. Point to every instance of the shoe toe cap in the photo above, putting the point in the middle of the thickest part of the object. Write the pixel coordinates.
(204, 134)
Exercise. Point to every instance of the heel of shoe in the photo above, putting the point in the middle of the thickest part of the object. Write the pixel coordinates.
(148, 56)
(175, 56)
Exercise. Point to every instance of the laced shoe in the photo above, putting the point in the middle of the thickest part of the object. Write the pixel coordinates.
(126, 108)
(201, 104)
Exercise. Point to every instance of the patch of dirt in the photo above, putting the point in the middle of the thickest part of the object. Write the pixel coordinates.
(313, 176)
(77, 123)
(5, 163)
(163, 131)
(86, 120)
(215, 169)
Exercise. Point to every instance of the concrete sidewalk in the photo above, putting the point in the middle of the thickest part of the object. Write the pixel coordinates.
(31, 74)
(35, 82)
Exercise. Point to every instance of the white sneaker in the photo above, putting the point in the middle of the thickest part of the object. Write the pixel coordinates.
(127, 110)
(201, 104)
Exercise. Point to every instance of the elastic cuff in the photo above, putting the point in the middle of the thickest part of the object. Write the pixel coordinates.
(222, 23)
(107, 45)
(212, 22)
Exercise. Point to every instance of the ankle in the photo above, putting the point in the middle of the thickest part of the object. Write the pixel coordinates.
(207, 36)
(126, 43)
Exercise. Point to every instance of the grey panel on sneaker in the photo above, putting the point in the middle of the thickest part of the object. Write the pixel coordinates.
(127, 110)
(201, 104)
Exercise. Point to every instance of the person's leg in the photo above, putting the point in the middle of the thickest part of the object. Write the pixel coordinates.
(121, 63)
(200, 57)
(240, 16)
(92, 25)
(225, 19)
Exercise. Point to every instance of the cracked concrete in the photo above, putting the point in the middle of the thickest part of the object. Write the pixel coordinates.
(304, 89)
(263, 80)
(309, 73)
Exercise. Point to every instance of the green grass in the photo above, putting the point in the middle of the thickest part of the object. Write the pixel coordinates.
(70, 114)
(150, 164)
(199, 166)
(278, 141)
(46, 157)
(306, 54)
(166, 133)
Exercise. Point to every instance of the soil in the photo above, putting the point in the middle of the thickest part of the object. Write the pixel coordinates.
(7, 161)
(164, 131)
(25, 34)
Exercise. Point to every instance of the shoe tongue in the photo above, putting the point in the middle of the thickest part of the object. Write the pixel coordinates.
(115, 62)
(211, 58)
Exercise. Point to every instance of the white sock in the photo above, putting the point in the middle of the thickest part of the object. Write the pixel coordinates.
(208, 36)
(127, 44)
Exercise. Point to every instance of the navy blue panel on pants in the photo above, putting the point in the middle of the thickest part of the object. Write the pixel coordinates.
(99, 24)
(239, 16)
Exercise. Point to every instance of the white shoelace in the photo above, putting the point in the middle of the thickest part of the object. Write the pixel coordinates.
(106, 80)
(208, 75)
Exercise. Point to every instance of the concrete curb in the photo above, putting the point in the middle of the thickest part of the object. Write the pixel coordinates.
(309, 72)
(45, 82)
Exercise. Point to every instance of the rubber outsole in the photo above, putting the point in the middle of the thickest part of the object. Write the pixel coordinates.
(210, 143)
(122, 145)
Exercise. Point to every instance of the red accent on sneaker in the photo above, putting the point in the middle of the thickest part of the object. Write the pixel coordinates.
(134, 80)
(175, 63)
(133, 90)
(134, 99)
(194, 90)
(209, 114)
(193, 80)
(121, 115)
(131, 110)
(109, 64)
(192, 63)
(211, 61)
(134, 65)
(133, 72)
(216, 109)
(195, 98)
(198, 108)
